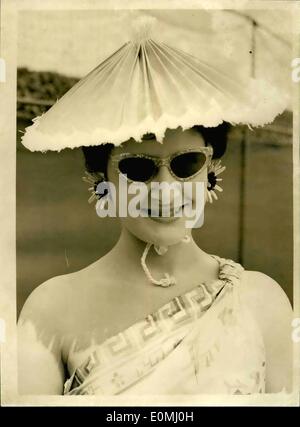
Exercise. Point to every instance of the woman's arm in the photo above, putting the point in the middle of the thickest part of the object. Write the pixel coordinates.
(40, 369)
(272, 311)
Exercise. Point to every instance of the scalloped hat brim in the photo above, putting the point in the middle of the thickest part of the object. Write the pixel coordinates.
(148, 87)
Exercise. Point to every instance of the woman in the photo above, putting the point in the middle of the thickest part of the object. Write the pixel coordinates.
(179, 322)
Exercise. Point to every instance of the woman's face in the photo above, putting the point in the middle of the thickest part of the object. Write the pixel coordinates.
(159, 231)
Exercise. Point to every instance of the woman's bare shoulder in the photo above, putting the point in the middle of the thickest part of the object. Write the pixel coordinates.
(270, 307)
(61, 296)
(261, 292)
(267, 301)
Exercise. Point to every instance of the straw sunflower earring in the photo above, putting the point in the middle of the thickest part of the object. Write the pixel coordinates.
(93, 179)
(214, 169)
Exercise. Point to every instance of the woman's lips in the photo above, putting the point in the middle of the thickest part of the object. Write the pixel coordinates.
(165, 214)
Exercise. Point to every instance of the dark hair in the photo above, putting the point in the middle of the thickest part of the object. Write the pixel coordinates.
(216, 137)
(96, 157)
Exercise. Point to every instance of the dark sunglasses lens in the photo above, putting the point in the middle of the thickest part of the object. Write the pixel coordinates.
(187, 164)
(137, 168)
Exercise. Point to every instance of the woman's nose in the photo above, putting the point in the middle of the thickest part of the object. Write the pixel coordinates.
(169, 194)
(164, 175)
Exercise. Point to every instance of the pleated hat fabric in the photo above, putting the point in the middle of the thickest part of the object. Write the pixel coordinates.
(147, 86)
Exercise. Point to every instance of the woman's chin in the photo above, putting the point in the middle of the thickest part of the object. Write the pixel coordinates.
(159, 232)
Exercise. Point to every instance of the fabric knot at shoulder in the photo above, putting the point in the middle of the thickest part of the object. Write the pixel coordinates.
(230, 271)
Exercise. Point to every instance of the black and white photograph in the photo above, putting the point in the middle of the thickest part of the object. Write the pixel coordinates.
(151, 167)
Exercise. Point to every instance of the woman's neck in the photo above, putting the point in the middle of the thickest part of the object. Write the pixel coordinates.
(178, 260)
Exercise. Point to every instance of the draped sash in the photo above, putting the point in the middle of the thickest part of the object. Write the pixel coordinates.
(203, 341)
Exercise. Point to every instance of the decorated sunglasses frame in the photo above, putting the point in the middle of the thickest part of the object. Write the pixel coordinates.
(163, 161)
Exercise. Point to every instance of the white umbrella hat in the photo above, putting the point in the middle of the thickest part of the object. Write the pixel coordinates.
(148, 86)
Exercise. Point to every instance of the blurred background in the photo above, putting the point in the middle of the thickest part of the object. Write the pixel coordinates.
(58, 232)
